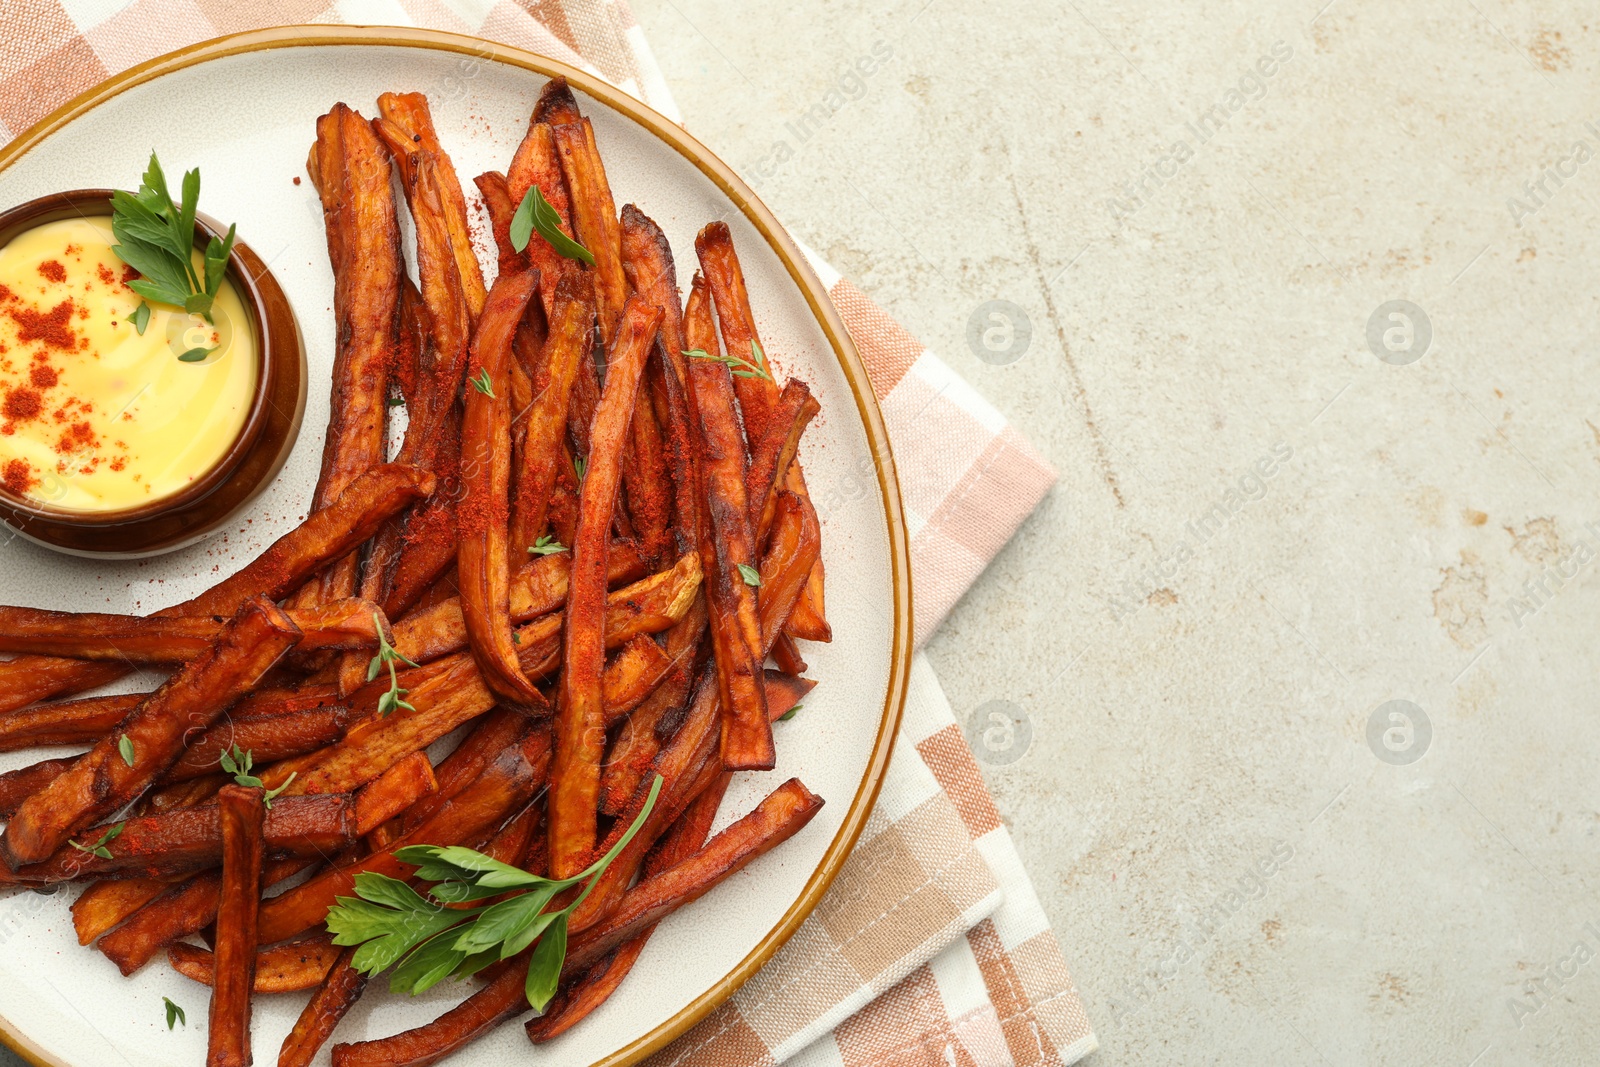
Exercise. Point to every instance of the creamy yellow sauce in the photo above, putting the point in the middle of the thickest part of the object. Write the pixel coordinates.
(95, 416)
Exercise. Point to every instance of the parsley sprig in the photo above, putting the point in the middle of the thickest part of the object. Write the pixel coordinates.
(102, 847)
(394, 924)
(239, 764)
(155, 236)
(483, 384)
(388, 656)
(741, 368)
(535, 213)
(546, 545)
(174, 1013)
(751, 576)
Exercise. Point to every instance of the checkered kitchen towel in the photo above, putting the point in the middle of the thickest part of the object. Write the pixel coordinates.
(931, 948)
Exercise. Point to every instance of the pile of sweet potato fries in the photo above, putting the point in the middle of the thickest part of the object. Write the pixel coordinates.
(592, 540)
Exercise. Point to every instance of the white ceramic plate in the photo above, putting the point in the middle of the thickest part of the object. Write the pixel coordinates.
(242, 109)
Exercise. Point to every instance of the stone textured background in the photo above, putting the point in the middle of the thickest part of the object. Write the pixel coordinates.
(1191, 709)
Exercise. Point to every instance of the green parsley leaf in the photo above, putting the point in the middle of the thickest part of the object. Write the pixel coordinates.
(750, 575)
(125, 747)
(546, 545)
(482, 384)
(155, 236)
(544, 967)
(174, 1014)
(536, 213)
(581, 466)
(426, 942)
(428, 964)
(140, 317)
(397, 401)
(786, 716)
(194, 355)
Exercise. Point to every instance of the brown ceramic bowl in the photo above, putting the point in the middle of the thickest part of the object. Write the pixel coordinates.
(250, 463)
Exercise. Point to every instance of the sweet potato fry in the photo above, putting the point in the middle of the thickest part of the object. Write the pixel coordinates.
(352, 173)
(786, 653)
(394, 791)
(566, 350)
(160, 639)
(181, 842)
(286, 968)
(180, 796)
(483, 514)
(556, 104)
(410, 336)
(352, 176)
(507, 783)
(20, 784)
(425, 549)
(103, 905)
(795, 547)
(268, 739)
(353, 517)
(502, 999)
(647, 484)
(328, 1005)
(776, 819)
(784, 691)
(594, 217)
(443, 293)
(757, 395)
(498, 203)
(580, 714)
(773, 454)
(191, 906)
(283, 567)
(103, 779)
(536, 165)
(632, 675)
(228, 1034)
(648, 265)
(88, 719)
(726, 538)
(409, 111)
(66, 722)
(580, 420)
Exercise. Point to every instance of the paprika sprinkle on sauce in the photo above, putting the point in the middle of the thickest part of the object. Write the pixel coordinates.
(96, 415)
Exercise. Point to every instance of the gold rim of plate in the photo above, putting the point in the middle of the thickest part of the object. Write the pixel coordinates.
(827, 317)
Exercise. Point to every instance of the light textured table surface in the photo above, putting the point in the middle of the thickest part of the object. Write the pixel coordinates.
(1200, 695)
